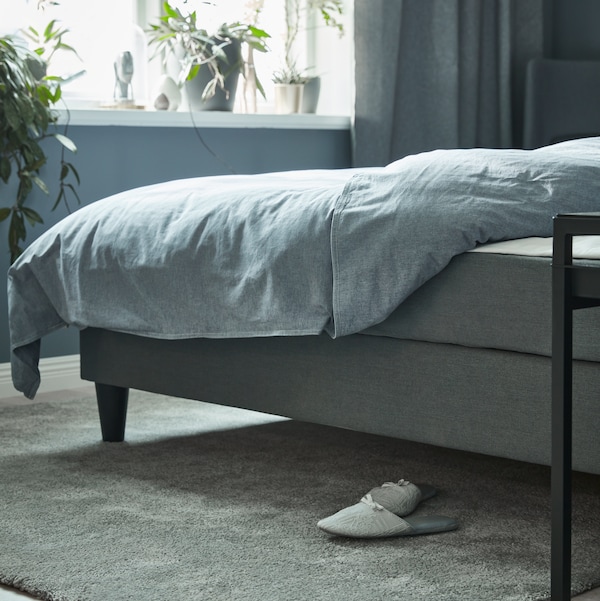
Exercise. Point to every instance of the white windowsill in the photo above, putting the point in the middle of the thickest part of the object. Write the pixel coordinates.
(152, 118)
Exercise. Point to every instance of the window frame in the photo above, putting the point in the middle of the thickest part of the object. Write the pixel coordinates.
(335, 77)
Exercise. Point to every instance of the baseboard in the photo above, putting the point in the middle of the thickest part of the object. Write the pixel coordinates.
(58, 373)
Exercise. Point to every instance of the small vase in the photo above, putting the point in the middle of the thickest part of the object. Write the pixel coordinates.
(288, 98)
(167, 96)
(310, 96)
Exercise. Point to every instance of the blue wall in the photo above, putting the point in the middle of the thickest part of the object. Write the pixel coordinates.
(112, 159)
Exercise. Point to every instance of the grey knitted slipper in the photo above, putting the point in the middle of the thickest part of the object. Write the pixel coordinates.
(396, 498)
(401, 497)
(369, 519)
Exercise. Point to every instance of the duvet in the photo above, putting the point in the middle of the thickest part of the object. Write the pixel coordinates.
(283, 254)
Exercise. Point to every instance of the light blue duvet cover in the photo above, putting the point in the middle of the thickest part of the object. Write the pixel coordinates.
(283, 254)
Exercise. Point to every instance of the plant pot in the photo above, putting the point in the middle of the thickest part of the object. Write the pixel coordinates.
(288, 98)
(223, 100)
(310, 95)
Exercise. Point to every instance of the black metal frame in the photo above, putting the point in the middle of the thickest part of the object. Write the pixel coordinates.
(573, 287)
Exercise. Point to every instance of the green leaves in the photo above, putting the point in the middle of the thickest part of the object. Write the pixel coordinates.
(5, 169)
(32, 216)
(47, 95)
(49, 41)
(331, 11)
(17, 231)
(17, 110)
(170, 12)
(66, 170)
(27, 97)
(180, 35)
(66, 142)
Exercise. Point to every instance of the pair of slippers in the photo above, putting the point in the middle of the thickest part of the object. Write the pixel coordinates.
(381, 513)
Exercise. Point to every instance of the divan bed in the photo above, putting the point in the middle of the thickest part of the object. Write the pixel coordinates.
(458, 355)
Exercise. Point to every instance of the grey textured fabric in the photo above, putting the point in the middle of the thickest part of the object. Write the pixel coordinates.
(210, 503)
(440, 74)
(491, 301)
(487, 401)
(400, 497)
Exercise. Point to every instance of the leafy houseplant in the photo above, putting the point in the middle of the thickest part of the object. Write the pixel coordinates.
(289, 75)
(297, 13)
(329, 10)
(27, 98)
(289, 89)
(217, 54)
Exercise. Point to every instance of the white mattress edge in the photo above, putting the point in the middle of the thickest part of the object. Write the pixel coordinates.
(584, 247)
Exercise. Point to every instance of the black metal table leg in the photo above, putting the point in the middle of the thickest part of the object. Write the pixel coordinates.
(562, 367)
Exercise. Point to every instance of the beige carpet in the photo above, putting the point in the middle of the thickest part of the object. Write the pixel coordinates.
(206, 502)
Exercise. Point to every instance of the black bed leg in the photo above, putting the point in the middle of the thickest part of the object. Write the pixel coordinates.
(112, 407)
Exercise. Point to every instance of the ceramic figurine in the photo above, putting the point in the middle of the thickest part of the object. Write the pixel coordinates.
(167, 96)
(123, 91)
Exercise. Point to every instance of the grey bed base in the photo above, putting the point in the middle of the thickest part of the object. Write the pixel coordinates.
(464, 362)
(488, 401)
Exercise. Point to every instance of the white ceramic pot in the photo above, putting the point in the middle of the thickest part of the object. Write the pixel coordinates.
(288, 98)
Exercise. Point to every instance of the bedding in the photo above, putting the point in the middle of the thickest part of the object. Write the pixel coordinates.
(289, 254)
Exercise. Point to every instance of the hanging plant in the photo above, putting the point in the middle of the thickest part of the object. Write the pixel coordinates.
(27, 118)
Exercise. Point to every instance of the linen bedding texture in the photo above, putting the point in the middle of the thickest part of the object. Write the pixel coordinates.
(282, 254)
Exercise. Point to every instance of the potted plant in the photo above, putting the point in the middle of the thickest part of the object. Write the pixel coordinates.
(210, 63)
(27, 99)
(297, 15)
(289, 88)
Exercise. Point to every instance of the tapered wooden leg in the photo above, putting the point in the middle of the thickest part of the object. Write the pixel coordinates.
(112, 407)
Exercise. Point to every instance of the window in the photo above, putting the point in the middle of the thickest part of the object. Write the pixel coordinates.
(100, 34)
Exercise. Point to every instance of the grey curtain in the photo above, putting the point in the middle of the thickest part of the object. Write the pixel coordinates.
(440, 74)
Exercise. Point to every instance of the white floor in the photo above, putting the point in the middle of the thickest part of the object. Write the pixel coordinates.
(8, 594)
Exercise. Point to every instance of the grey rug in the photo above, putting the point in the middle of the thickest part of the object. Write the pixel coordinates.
(206, 502)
